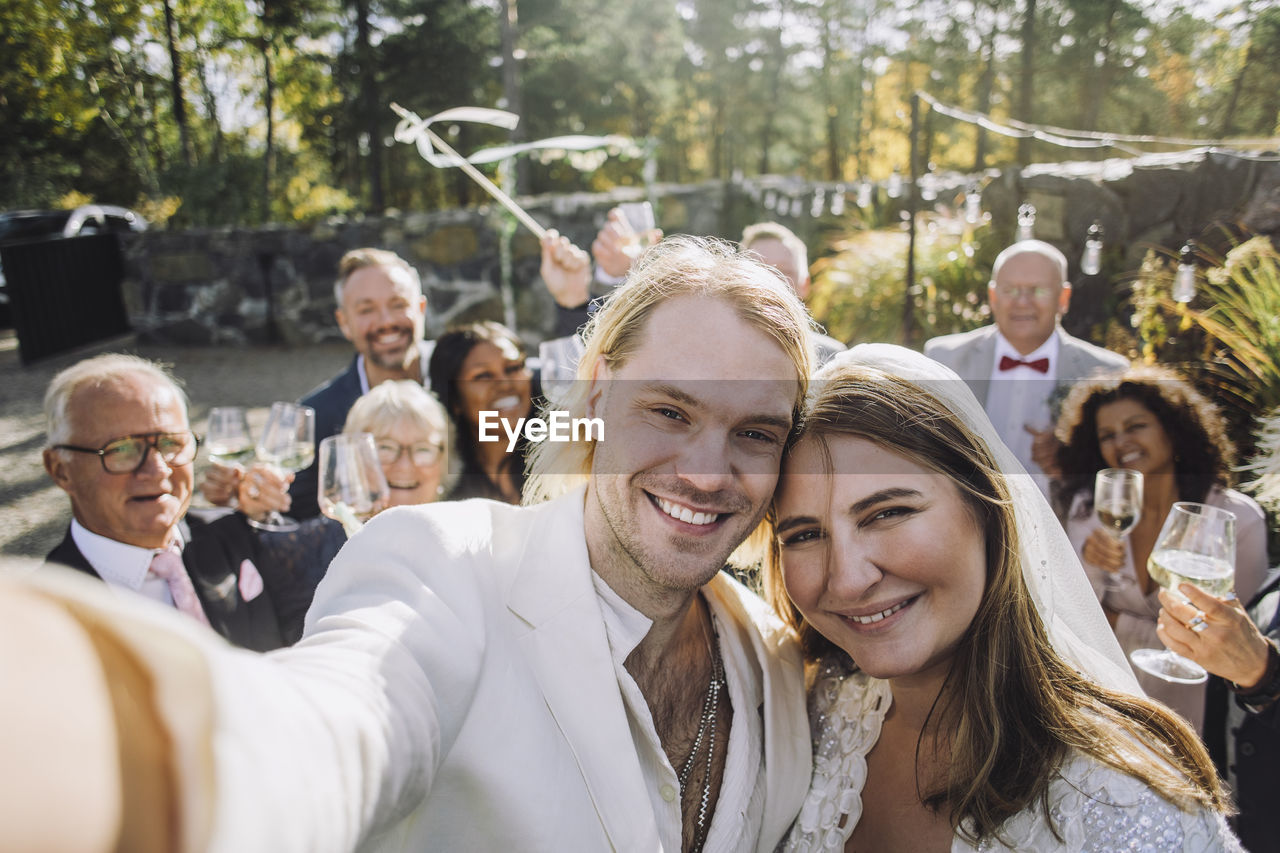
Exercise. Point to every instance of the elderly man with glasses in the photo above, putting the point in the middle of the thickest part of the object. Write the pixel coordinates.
(120, 445)
(1017, 366)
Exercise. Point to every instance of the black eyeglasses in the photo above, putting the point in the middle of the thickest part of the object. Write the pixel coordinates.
(127, 454)
(423, 454)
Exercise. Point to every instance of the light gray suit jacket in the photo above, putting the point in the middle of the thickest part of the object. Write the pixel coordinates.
(972, 356)
(455, 691)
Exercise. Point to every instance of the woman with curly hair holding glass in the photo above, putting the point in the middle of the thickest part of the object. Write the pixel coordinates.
(1152, 420)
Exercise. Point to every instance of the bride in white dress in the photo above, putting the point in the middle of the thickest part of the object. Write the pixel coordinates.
(967, 693)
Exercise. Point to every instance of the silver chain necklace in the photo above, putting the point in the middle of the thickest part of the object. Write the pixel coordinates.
(707, 726)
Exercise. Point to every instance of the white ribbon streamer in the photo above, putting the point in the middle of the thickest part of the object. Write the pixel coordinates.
(417, 131)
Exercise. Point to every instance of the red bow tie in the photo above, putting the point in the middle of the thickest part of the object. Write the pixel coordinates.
(1040, 365)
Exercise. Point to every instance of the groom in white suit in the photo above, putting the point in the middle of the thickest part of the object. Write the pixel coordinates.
(575, 675)
(1017, 365)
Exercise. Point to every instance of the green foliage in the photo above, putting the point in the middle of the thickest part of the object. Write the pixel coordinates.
(814, 88)
(858, 291)
(1228, 337)
(1240, 314)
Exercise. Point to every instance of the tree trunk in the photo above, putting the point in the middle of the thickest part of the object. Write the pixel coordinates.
(179, 102)
(771, 108)
(509, 21)
(211, 107)
(1093, 97)
(1027, 84)
(985, 85)
(829, 100)
(269, 154)
(368, 108)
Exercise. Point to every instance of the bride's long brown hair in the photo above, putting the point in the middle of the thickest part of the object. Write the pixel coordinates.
(1011, 708)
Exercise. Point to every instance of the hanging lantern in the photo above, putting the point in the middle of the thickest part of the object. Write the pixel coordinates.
(928, 185)
(819, 204)
(837, 201)
(894, 188)
(1026, 221)
(1184, 281)
(1091, 261)
(864, 195)
(972, 205)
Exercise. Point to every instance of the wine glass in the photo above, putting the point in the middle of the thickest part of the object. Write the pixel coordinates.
(559, 366)
(352, 486)
(639, 215)
(1117, 501)
(227, 436)
(288, 442)
(1197, 545)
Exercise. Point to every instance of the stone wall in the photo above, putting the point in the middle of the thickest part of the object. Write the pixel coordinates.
(233, 285)
(276, 283)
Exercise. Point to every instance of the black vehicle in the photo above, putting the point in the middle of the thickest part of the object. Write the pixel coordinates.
(23, 225)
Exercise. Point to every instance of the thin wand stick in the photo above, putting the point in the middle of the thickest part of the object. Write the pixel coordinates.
(489, 186)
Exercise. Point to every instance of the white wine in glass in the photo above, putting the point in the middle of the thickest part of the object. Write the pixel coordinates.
(639, 215)
(352, 487)
(289, 442)
(1117, 502)
(1197, 545)
(227, 437)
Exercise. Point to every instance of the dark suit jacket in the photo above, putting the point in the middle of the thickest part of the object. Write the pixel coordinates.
(332, 401)
(1257, 741)
(216, 544)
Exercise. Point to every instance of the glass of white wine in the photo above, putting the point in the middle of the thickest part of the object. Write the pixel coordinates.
(1197, 545)
(639, 215)
(288, 442)
(1117, 502)
(352, 486)
(227, 437)
(559, 367)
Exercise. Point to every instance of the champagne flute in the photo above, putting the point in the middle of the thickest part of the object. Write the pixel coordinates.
(227, 436)
(639, 215)
(352, 486)
(288, 442)
(1197, 545)
(559, 367)
(1117, 501)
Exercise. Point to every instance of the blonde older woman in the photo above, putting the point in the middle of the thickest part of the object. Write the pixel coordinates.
(410, 429)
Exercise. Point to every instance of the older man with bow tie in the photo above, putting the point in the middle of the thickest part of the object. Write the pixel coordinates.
(1016, 365)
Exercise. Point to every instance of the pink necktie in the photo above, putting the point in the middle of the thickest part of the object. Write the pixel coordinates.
(167, 564)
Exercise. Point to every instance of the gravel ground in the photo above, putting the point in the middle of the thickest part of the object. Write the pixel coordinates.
(34, 513)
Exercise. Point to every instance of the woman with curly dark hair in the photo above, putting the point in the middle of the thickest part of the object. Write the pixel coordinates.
(1150, 419)
(475, 368)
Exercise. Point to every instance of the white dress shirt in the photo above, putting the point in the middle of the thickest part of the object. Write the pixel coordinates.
(735, 825)
(122, 565)
(1019, 397)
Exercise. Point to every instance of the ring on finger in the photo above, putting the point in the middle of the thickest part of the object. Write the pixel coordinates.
(1197, 623)
(254, 492)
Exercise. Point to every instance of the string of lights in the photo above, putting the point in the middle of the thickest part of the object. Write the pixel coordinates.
(1068, 138)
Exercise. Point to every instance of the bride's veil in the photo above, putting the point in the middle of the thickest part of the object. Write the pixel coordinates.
(1063, 597)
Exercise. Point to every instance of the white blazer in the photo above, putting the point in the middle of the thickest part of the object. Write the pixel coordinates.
(455, 691)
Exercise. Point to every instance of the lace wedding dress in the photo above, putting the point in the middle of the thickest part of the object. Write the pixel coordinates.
(1093, 806)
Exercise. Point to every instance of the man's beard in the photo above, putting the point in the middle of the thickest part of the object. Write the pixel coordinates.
(390, 360)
